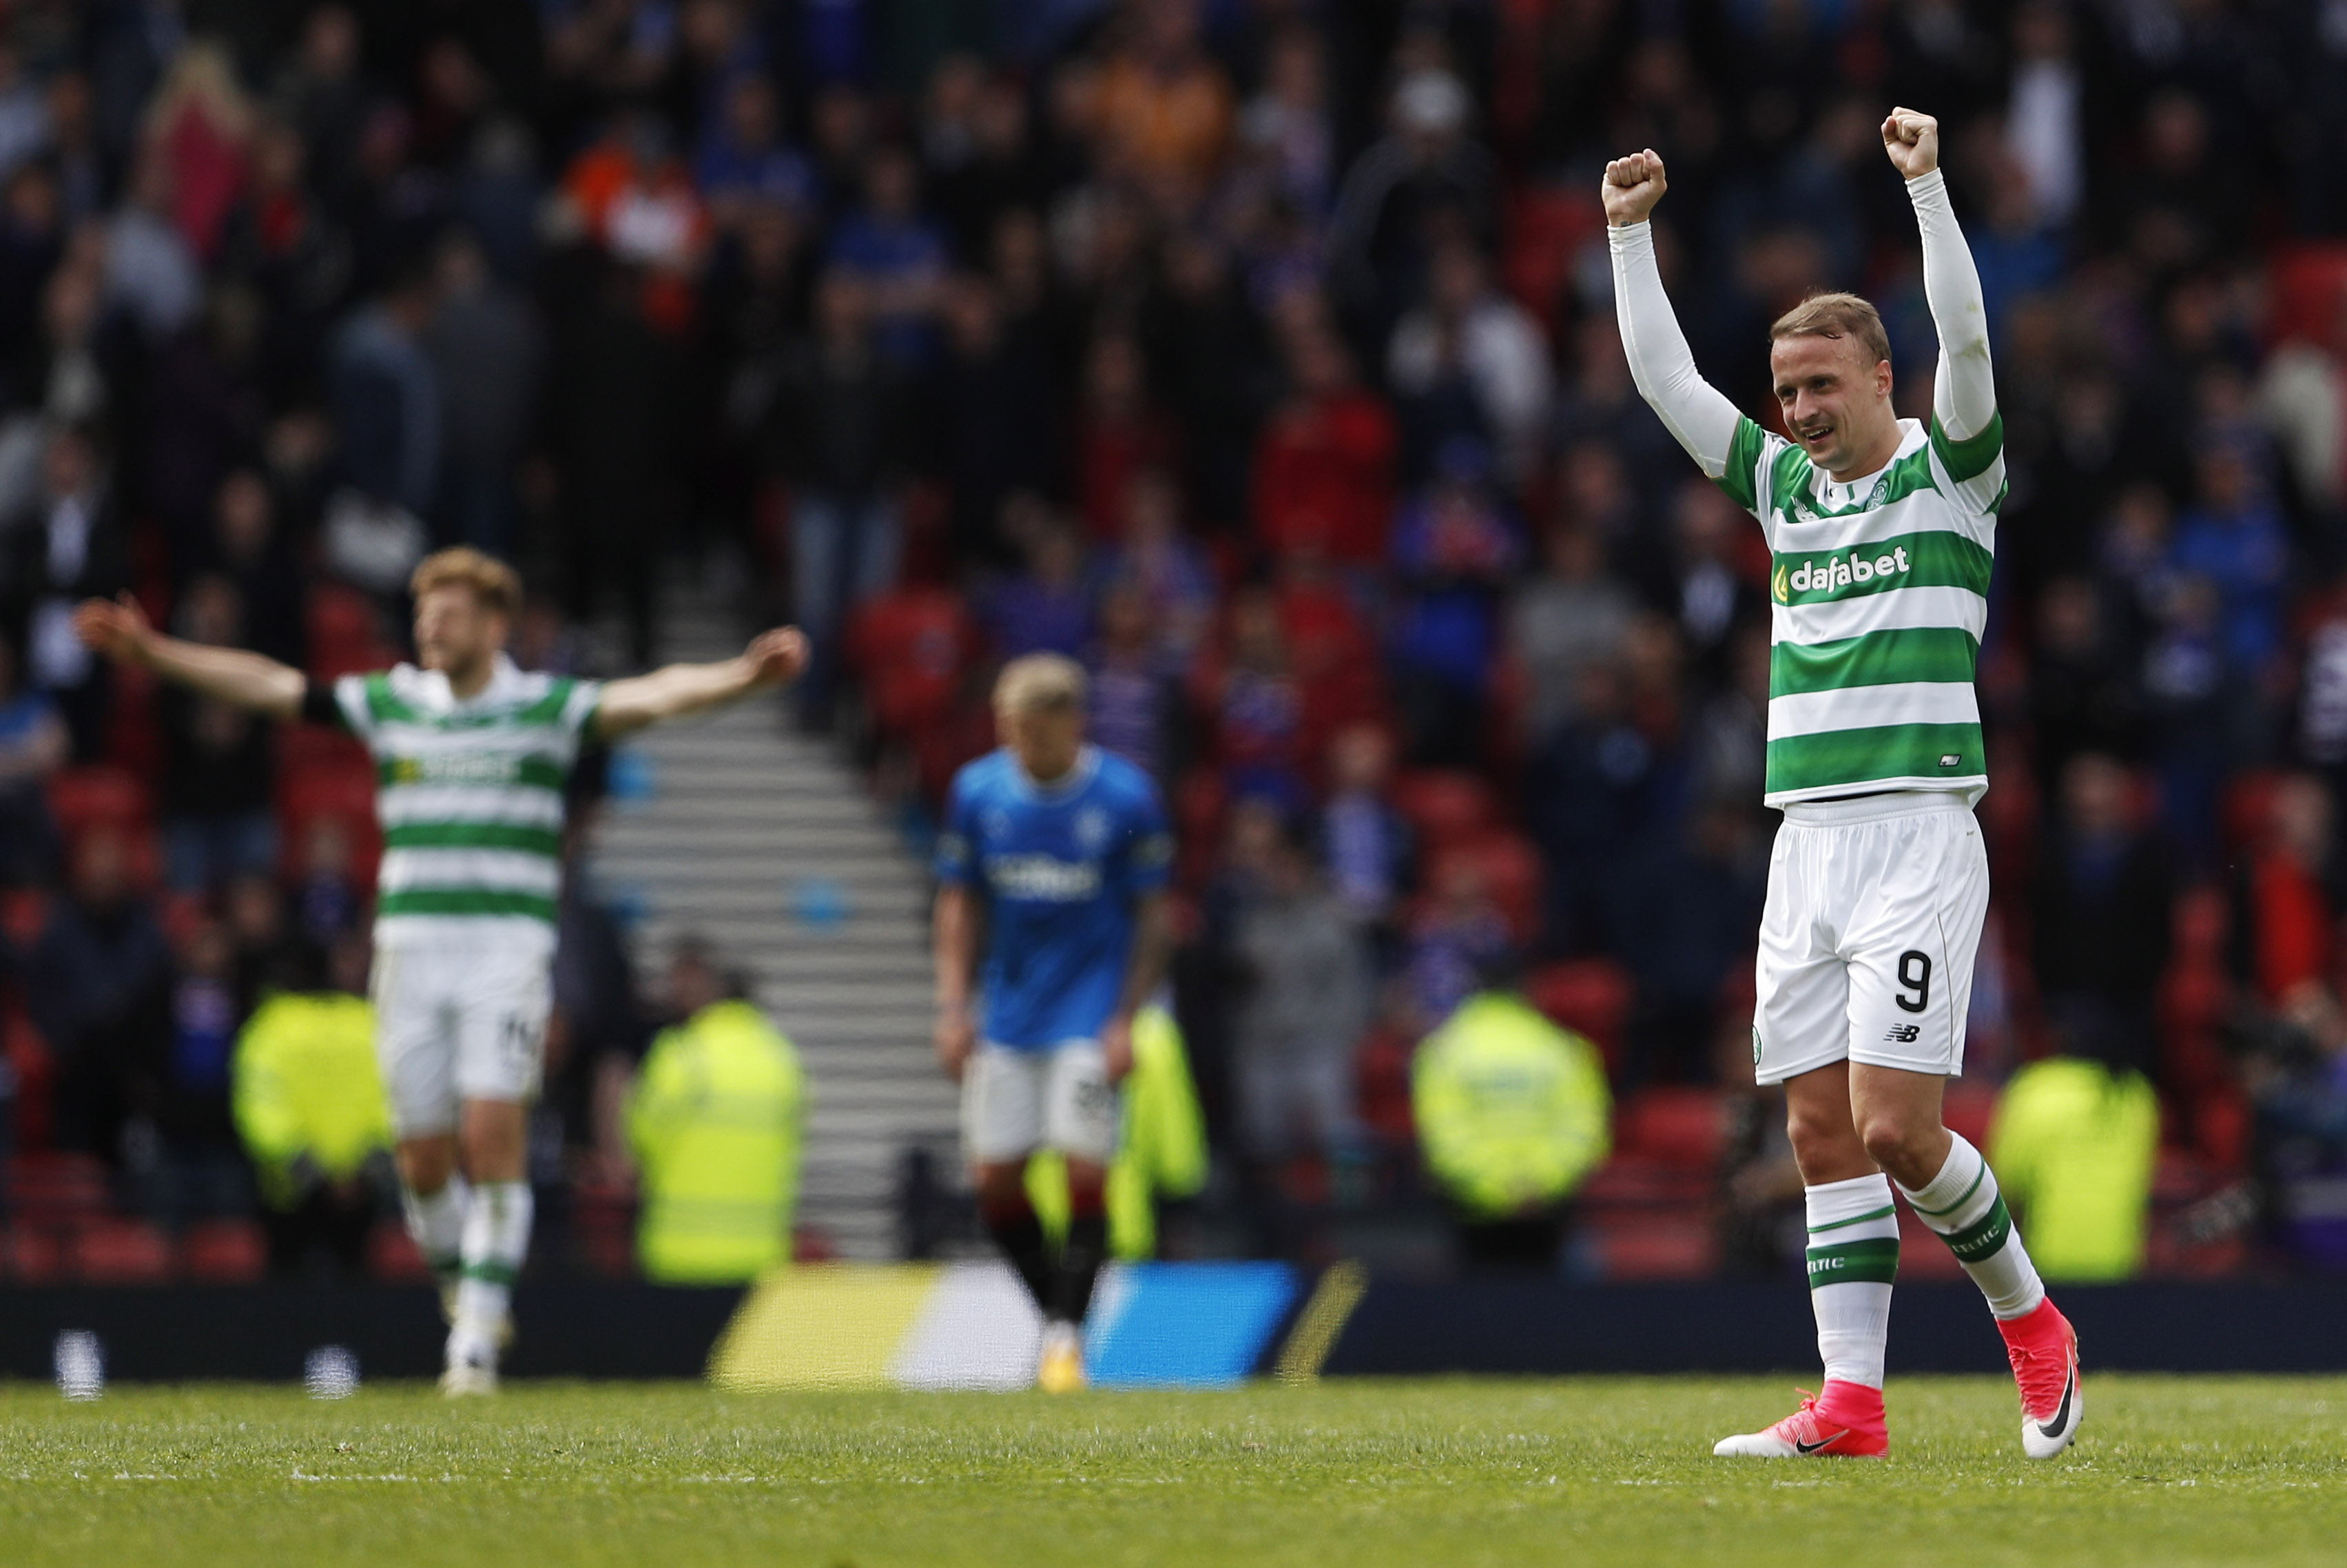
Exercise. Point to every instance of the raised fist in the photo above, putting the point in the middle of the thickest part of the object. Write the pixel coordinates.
(1633, 186)
(1912, 140)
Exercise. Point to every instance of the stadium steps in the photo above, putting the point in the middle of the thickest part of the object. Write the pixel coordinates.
(767, 845)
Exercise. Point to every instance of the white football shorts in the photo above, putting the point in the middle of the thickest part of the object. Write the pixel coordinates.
(1014, 1103)
(1873, 917)
(457, 1022)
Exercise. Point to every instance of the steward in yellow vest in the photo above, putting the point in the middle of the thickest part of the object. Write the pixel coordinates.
(1512, 1113)
(309, 1103)
(715, 1123)
(2076, 1145)
(1161, 1147)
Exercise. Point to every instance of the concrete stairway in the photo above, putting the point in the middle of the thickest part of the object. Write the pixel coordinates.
(765, 844)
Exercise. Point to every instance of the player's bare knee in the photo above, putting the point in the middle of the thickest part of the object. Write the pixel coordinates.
(427, 1164)
(1900, 1145)
(1825, 1149)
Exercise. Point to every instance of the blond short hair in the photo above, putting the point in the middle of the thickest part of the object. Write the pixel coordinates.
(1040, 684)
(1836, 316)
(496, 586)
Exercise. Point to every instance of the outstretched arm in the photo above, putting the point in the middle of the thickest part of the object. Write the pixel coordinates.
(772, 659)
(1964, 392)
(1694, 411)
(119, 629)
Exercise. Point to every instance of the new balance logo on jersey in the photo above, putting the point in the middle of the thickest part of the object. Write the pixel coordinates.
(1903, 1033)
(1835, 573)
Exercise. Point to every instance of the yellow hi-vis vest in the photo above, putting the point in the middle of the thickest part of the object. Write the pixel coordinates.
(305, 1081)
(1512, 1111)
(715, 1123)
(1161, 1144)
(2076, 1147)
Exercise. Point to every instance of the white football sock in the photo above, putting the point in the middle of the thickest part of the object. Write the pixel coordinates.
(437, 1222)
(1853, 1258)
(497, 1239)
(1962, 1204)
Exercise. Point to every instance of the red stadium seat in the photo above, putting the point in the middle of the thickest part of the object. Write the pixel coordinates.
(345, 633)
(120, 1252)
(1968, 1109)
(1657, 1246)
(391, 1255)
(84, 797)
(27, 1057)
(225, 1252)
(51, 1187)
(1442, 807)
(1589, 995)
(927, 627)
(1680, 1126)
(29, 1256)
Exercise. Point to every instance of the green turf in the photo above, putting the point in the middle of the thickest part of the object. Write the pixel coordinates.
(1342, 1475)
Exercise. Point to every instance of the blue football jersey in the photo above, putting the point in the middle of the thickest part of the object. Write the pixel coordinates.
(1059, 870)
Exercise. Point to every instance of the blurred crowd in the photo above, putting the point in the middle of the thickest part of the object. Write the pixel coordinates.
(1260, 354)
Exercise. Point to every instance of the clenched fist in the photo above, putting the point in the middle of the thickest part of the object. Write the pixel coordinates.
(1912, 140)
(1633, 186)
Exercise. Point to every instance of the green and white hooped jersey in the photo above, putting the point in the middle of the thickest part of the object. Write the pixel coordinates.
(470, 796)
(1879, 596)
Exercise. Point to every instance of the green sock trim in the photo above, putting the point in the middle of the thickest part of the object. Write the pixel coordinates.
(1986, 1238)
(1959, 1203)
(492, 1273)
(1873, 1261)
(1884, 1212)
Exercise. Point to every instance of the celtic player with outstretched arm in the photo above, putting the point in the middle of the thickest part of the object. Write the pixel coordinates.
(1880, 530)
(472, 756)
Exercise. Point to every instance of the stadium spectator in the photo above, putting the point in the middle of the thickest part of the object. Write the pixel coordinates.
(1458, 934)
(1454, 550)
(1301, 973)
(218, 817)
(1366, 845)
(1151, 556)
(98, 987)
(2288, 893)
(310, 1107)
(1513, 1116)
(1425, 177)
(1563, 622)
(1470, 362)
(1134, 703)
(714, 1124)
(844, 435)
(69, 544)
(2101, 914)
(485, 347)
(1324, 467)
(1164, 106)
(898, 257)
(1043, 609)
(33, 746)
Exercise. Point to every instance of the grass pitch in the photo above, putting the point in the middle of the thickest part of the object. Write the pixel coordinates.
(1348, 1474)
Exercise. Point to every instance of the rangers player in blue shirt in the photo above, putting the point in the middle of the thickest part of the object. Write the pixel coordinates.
(1051, 933)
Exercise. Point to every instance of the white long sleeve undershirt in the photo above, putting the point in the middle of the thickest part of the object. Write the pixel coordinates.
(1964, 392)
(1702, 420)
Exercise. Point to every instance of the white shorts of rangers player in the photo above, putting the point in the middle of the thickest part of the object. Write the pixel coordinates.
(1015, 1102)
(457, 1019)
(1874, 915)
